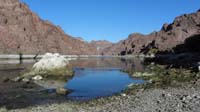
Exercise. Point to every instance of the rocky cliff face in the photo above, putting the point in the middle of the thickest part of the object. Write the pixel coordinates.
(168, 37)
(22, 31)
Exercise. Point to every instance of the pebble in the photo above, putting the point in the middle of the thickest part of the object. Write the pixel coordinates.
(26, 80)
(17, 79)
(169, 94)
(37, 77)
(123, 94)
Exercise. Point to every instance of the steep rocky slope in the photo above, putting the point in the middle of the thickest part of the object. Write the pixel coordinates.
(22, 31)
(168, 37)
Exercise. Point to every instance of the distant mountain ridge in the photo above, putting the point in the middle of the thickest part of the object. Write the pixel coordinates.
(22, 31)
(168, 37)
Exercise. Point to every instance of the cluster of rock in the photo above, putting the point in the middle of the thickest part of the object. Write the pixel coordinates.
(50, 65)
(142, 74)
(170, 100)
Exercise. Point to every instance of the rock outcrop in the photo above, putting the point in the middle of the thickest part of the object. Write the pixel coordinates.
(168, 37)
(50, 66)
(50, 62)
(22, 31)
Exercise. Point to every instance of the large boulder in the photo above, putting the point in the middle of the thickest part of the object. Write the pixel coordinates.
(50, 62)
(50, 65)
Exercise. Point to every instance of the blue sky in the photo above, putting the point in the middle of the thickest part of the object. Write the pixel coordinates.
(111, 20)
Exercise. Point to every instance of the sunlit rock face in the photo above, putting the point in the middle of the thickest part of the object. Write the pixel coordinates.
(171, 35)
(22, 31)
(50, 61)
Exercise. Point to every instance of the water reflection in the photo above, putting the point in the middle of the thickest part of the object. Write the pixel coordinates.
(94, 77)
(98, 77)
(89, 83)
(135, 64)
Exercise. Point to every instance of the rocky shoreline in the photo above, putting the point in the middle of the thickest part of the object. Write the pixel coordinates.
(185, 98)
(178, 96)
(168, 89)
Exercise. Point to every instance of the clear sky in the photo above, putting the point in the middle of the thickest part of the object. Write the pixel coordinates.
(111, 20)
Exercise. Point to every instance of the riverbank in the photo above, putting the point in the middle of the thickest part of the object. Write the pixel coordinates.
(185, 96)
(171, 99)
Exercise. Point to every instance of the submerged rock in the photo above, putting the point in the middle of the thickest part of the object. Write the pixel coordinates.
(48, 83)
(131, 85)
(62, 91)
(140, 74)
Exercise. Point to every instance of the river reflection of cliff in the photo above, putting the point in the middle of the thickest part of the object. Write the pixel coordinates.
(135, 64)
(12, 70)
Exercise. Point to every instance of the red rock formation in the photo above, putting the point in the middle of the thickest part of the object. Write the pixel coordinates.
(168, 37)
(22, 31)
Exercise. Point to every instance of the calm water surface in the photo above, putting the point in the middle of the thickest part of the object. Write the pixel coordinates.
(99, 77)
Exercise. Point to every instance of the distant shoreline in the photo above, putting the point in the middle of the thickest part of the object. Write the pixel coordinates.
(19, 56)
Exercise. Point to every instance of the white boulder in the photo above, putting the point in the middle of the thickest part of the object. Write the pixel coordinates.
(50, 61)
(49, 65)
